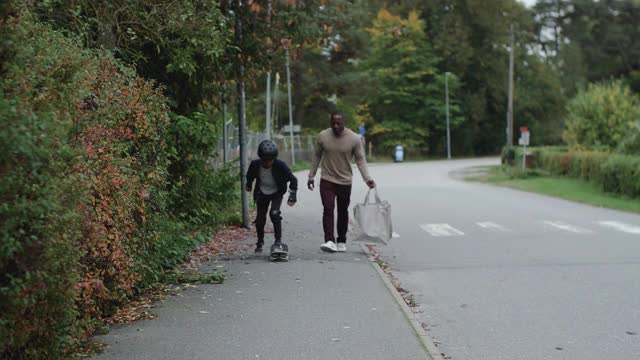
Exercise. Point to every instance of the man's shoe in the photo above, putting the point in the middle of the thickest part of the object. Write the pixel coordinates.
(342, 247)
(329, 246)
(258, 249)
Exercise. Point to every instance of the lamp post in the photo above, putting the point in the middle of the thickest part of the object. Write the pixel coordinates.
(285, 44)
(267, 128)
(510, 99)
(446, 87)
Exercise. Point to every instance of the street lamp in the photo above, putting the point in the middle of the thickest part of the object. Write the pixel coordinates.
(446, 87)
(285, 44)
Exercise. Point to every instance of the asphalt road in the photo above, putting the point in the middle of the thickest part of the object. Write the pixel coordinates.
(504, 274)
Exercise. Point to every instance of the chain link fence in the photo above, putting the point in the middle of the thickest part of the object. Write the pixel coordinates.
(303, 146)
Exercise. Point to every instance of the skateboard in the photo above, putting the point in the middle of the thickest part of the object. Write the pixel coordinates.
(279, 252)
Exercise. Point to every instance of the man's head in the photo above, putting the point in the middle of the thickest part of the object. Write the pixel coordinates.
(337, 123)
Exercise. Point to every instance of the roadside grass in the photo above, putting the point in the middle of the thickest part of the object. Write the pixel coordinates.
(380, 159)
(562, 187)
(300, 165)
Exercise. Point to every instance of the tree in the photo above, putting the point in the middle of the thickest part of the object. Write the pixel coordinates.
(409, 104)
(180, 43)
(603, 116)
(589, 40)
(472, 39)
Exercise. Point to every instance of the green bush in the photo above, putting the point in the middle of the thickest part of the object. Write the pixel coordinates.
(621, 174)
(579, 164)
(39, 222)
(586, 165)
(200, 194)
(99, 192)
(508, 156)
(630, 145)
(618, 174)
(601, 116)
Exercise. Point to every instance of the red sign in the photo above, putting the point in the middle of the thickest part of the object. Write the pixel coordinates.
(524, 129)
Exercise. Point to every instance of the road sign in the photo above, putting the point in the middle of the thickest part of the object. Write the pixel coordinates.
(286, 128)
(362, 130)
(524, 136)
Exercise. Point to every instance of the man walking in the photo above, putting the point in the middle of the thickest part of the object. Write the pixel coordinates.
(336, 147)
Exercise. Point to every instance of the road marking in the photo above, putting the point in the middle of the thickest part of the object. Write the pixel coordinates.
(566, 227)
(395, 235)
(491, 226)
(441, 230)
(631, 229)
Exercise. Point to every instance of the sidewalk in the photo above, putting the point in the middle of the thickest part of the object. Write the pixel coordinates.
(316, 306)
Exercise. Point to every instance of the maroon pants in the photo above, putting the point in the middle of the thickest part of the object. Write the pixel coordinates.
(329, 192)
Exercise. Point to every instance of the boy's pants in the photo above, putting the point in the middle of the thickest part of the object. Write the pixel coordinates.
(329, 192)
(262, 203)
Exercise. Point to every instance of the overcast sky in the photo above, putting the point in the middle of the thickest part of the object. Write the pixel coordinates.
(528, 2)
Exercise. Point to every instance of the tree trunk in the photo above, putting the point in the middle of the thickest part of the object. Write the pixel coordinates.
(298, 95)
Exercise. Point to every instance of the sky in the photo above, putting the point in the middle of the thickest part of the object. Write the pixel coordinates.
(529, 3)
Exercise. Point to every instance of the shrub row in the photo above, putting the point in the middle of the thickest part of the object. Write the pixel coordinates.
(621, 174)
(616, 173)
(100, 189)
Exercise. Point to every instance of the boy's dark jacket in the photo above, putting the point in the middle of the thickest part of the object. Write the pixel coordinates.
(281, 174)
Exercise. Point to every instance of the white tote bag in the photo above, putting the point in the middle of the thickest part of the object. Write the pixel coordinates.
(372, 220)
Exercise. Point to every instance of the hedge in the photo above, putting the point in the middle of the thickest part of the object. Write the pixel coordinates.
(619, 174)
(93, 173)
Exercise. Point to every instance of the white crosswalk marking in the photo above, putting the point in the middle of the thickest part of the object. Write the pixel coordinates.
(566, 227)
(631, 229)
(441, 230)
(491, 226)
(395, 235)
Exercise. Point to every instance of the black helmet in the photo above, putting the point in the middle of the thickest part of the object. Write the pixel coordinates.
(267, 150)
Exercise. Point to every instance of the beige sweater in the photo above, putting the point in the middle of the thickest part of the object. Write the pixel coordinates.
(336, 154)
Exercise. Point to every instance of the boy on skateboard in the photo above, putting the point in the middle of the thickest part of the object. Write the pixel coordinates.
(272, 176)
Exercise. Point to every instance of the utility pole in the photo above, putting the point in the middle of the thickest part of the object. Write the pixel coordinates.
(286, 43)
(446, 86)
(241, 116)
(224, 124)
(510, 106)
(267, 129)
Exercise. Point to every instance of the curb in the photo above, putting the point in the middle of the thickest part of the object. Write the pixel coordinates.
(425, 339)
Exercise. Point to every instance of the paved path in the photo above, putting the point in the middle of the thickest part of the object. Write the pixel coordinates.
(317, 306)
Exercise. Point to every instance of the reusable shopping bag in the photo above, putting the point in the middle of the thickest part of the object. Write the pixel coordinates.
(372, 220)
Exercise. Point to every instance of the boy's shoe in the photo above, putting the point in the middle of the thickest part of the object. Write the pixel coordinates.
(329, 246)
(342, 247)
(258, 249)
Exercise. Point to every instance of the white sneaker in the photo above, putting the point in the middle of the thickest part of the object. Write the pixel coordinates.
(329, 246)
(342, 247)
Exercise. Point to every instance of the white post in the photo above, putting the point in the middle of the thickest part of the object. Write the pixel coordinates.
(224, 127)
(267, 129)
(242, 119)
(293, 150)
(524, 157)
(510, 100)
(446, 85)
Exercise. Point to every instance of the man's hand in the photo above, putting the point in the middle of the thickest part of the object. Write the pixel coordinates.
(248, 187)
(311, 184)
(371, 184)
(292, 198)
